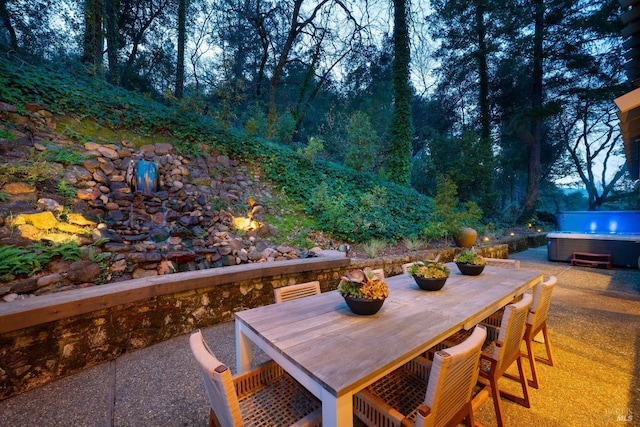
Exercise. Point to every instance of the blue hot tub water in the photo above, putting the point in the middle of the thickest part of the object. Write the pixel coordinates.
(599, 222)
(606, 232)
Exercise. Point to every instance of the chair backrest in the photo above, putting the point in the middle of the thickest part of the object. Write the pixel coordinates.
(218, 383)
(514, 321)
(541, 303)
(454, 373)
(501, 262)
(379, 273)
(300, 290)
(406, 267)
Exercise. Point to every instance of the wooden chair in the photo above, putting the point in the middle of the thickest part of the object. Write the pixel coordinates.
(406, 267)
(501, 262)
(425, 393)
(264, 396)
(536, 323)
(300, 290)
(500, 354)
(379, 273)
(536, 326)
(500, 351)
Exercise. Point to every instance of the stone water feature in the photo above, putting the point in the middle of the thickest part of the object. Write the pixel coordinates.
(180, 219)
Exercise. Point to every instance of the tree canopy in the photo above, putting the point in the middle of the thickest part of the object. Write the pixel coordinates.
(503, 98)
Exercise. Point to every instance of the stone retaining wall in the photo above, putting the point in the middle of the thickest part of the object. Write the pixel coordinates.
(51, 336)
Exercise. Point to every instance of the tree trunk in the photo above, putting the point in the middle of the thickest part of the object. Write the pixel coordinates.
(113, 75)
(533, 183)
(485, 122)
(294, 30)
(93, 44)
(181, 41)
(401, 125)
(6, 21)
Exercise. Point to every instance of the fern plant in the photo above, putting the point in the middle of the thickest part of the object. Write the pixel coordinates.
(16, 261)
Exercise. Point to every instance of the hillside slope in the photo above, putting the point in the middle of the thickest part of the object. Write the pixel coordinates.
(69, 144)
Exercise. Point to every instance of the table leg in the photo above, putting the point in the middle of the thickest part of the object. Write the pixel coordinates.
(337, 411)
(244, 350)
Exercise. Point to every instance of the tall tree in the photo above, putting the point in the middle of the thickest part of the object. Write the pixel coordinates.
(469, 37)
(535, 140)
(483, 71)
(592, 139)
(263, 18)
(93, 40)
(317, 28)
(5, 18)
(112, 37)
(401, 125)
(181, 42)
(590, 62)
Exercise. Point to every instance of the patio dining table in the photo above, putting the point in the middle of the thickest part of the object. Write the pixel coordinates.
(335, 353)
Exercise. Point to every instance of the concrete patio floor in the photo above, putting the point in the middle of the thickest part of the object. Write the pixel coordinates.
(594, 326)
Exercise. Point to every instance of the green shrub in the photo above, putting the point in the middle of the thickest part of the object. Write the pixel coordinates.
(362, 143)
(256, 123)
(65, 157)
(284, 127)
(314, 146)
(448, 214)
(373, 247)
(65, 189)
(6, 135)
(31, 170)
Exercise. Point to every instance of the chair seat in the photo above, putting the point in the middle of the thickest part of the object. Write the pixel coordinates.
(282, 402)
(402, 389)
(487, 351)
(261, 397)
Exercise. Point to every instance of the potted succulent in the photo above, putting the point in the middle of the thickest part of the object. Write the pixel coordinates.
(469, 262)
(430, 275)
(363, 292)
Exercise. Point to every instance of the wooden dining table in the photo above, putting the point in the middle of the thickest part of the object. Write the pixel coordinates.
(335, 353)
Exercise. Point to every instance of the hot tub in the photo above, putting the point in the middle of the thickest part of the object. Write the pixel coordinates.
(616, 233)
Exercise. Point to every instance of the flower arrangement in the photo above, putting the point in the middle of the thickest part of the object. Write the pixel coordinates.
(363, 284)
(469, 256)
(429, 269)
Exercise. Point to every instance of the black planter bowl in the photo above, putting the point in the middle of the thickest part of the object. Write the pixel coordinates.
(430, 284)
(364, 306)
(470, 269)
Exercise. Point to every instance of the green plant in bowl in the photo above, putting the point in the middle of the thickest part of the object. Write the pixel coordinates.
(429, 269)
(469, 256)
(363, 292)
(470, 263)
(430, 275)
(363, 284)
